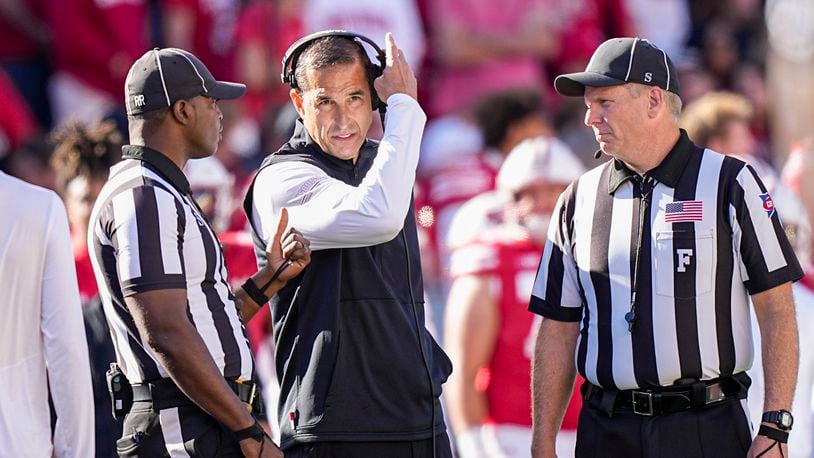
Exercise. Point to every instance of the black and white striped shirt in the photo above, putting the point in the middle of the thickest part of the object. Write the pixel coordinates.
(710, 237)
(146, 233)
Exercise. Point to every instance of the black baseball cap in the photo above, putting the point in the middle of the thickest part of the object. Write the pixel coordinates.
(620, 61)
(161, 77)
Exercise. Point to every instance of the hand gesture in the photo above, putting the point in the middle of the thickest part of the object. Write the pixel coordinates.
(288, 247)
(397, 77)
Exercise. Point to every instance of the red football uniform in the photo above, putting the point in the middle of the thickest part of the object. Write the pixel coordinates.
(445, 191)
(510, 257)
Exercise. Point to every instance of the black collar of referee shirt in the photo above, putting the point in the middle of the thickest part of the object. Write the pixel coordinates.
(161, 163)
(668, 172)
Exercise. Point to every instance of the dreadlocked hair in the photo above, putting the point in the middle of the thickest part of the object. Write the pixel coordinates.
(87, 150)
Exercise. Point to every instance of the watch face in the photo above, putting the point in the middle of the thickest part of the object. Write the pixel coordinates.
(786, 420)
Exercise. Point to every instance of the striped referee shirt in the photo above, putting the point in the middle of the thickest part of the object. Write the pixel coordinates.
(146, 233)
(710, 237)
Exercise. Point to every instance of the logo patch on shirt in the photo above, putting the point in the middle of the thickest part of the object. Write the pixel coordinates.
(768, 204)
(684, 211)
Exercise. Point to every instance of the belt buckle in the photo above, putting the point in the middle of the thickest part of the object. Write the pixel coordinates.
(642, 403)
(714, 393)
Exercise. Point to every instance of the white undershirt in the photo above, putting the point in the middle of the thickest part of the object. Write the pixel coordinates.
(333, 214)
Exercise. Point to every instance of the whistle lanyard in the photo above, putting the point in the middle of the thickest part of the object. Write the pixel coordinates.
(645, 186)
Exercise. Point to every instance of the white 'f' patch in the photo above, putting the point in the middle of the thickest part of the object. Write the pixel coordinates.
(684, 255)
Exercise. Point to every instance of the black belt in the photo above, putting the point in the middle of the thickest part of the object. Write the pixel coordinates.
(669, 399)
(164, 394)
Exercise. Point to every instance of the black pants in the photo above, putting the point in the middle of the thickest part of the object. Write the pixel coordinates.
(147, 433)
(717, 431)
(405, 449)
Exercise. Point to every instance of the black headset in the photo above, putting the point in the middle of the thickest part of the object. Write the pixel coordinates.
(294, 51)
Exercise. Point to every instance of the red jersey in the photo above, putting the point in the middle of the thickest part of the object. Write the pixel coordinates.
(446, 190)
(97, 41)
(213, 34)
(261, 24)
(86, 280)
(14, 43)
(511, 258)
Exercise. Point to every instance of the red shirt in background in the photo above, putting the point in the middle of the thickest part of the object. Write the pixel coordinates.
(88, 289)
(98, 40)
(213, 31)
(17, 123)
(14, 44)
(260, 24)
(511, 259)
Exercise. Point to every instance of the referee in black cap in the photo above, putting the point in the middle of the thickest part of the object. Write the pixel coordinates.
(652, 262)
(177, 326)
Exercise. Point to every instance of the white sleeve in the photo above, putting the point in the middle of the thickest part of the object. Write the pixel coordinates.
(66, 348)
(333, 214)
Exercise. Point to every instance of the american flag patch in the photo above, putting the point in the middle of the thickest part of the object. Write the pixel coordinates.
(684, 211)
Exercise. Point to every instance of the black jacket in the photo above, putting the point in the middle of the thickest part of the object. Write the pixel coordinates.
(350, 330)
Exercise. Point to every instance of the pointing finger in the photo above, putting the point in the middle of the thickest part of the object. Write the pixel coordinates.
(391, 50)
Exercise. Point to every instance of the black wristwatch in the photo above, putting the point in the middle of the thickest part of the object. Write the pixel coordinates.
(782, 418)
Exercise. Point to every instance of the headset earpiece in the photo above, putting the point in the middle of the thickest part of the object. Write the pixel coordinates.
(373, 71)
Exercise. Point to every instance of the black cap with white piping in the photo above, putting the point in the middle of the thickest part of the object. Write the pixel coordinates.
(620, 61)
(161, 77)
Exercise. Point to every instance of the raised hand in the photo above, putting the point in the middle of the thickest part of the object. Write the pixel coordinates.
(397, 77)
(288, 246)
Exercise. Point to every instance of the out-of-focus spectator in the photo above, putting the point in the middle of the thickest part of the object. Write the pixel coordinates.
(790, 72)
(489, 332)
(695, 79)
(41, 341)
(720, 121)
(371, 18)
(649, 20)
(205, 28)
(265, 30)
(487, 46)
(507, 118)
(212, 185)
(24, 38)
(83, 155)
(750, 82)
(31, 163)
(94, 43)
(503, 120)
(17, 123)
(797, 175)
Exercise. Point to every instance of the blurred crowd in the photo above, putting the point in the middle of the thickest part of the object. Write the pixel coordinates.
(485, 70)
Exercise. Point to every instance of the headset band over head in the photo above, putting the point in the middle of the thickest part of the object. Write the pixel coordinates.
(292, 55)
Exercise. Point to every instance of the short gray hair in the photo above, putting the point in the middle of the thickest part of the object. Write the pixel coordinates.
(674, 103)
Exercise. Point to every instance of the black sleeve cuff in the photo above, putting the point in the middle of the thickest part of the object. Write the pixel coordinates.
(791, 273)
(555, 312)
